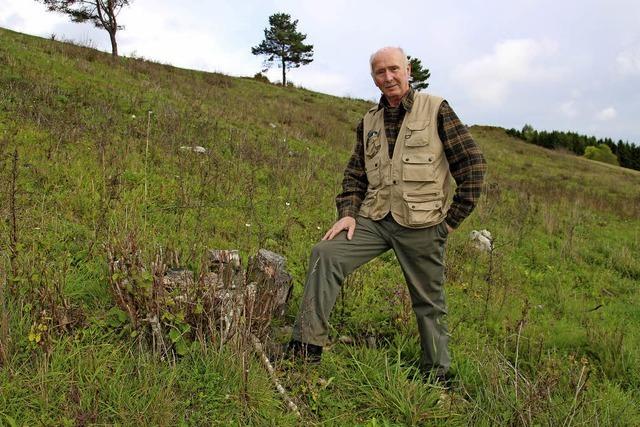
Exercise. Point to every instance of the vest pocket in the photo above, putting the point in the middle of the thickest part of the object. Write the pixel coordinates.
(417, 134)
(422, 208)
(372, 144)
(373, 173)
(418, 167)
(369, 199)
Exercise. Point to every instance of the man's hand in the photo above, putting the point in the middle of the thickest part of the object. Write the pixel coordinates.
(347, 223)
(449, 229)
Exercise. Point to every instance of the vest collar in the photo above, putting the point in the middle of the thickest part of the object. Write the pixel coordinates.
(406, 102)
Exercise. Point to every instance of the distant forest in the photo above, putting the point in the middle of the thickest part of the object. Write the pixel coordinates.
(628, 155)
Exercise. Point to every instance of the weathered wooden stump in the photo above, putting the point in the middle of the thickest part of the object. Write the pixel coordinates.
(252, 298)
(222, 301)
(273, 283)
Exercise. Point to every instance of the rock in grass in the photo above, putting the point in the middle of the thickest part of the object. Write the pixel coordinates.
(196, 149)
(482, 240)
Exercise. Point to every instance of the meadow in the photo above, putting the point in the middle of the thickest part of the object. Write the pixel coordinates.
(545, 329)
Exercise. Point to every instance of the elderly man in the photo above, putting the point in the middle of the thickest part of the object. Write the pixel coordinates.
(397, 193)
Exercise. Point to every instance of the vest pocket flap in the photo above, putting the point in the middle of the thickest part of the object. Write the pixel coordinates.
(418, 124)
(418, 158)
(424, 201)
(425, 206)
(415, 141)
(422, 197)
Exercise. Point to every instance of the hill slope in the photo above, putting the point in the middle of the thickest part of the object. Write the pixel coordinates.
(545, 330)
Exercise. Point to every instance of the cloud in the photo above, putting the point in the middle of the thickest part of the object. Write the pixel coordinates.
(28, 17)
(490, 78)
(608, 113)
(569, 109)
(182, 40)
(321, 80)
(628, 61)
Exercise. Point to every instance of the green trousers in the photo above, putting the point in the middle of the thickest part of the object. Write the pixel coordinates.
(420, 253)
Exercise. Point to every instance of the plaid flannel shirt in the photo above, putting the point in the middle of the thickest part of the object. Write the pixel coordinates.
(466, 162)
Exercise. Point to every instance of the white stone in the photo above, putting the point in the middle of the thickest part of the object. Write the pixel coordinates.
(196, 149)
(482, 240)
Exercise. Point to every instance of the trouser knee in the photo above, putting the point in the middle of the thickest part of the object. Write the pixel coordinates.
(323, 256)
(321, 250)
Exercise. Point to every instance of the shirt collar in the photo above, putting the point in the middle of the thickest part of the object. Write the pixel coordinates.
(406, 102)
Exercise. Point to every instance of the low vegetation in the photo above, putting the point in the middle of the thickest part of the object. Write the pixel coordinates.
(545, 327)
(622, 153)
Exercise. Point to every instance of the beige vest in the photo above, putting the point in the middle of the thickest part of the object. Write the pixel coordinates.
(415, 185)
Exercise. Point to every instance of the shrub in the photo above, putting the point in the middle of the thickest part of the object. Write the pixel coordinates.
(261, 78)
(601, 153)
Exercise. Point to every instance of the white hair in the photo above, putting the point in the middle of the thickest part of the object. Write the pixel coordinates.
(405, 61)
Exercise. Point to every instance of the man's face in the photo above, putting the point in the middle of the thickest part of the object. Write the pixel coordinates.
(391, 75)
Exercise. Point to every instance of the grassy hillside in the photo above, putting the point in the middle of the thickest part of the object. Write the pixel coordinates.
(545, 330)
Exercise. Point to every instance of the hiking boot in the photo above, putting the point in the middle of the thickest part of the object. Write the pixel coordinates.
(298, 351)
(445, 380)
(310, 353)
(442, 380)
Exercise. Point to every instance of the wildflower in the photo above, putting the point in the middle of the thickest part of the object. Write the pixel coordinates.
(247, 224)
(133, 116)
(287, 203)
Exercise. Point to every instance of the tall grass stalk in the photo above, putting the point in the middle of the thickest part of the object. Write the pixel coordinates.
(13, 208)
(4, 319)
(146, 167)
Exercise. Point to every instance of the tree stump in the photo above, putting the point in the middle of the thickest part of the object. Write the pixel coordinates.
(273, 284)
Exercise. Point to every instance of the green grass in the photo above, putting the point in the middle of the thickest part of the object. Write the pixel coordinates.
(545, 331)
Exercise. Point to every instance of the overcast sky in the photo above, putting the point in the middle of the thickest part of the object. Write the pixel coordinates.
(564, 65)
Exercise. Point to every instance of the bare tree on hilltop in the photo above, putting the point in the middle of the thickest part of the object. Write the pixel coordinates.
(283, 44)
(102, 13)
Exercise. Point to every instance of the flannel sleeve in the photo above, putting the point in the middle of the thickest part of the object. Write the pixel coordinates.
(354, 182)
(466, 163)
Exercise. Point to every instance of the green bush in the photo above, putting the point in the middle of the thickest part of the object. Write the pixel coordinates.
(601, 153)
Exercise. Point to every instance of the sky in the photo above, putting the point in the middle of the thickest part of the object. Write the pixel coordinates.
(571, 65)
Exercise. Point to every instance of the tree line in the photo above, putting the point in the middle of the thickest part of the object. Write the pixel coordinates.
(624, 153)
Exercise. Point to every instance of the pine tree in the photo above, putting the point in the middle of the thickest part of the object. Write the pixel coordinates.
(101, 13)
(283, 45)
(419, 75)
